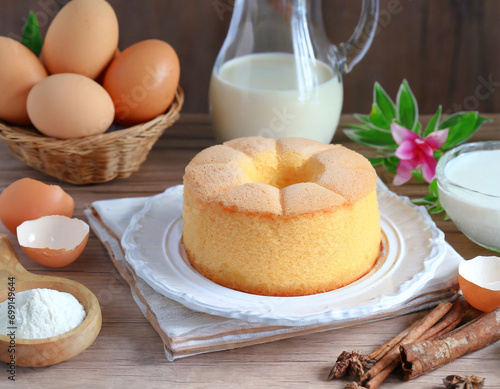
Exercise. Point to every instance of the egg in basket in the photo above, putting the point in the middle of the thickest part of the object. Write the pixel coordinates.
(84, 112)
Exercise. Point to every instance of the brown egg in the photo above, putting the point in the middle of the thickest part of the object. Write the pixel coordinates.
(81, 39)
(28, 199)
(20, 69)
(68, 106)
(142, 81)
(53, 241)
(100, 77)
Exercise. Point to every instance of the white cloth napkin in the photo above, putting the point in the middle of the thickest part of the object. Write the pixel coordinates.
(186, 332)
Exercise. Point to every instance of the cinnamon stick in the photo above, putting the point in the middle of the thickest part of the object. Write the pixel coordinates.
(354, 363)
(380, 377)
(449, 321)
(380, 351)
(416, 332)
(452, 318)
(444, 331)
(423, 356)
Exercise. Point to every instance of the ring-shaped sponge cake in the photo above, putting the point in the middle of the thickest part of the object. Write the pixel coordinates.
(286, 217)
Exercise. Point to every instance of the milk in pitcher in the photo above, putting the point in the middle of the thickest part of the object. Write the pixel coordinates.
(275, 95)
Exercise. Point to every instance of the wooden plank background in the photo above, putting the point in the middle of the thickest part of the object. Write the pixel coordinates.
(447, 49)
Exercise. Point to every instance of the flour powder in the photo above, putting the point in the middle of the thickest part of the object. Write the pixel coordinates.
(42, 313)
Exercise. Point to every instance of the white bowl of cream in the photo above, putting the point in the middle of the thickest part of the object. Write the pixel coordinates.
(469, 190)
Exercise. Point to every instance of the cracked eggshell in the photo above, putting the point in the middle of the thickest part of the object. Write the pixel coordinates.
(479, 280)
(53, 241)
(28, 199)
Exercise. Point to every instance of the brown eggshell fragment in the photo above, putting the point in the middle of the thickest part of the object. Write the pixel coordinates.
(479, 280)
(53, 241)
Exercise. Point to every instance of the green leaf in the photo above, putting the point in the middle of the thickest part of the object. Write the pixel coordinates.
(461, 126)
(376, 161)
(481, 120)
(418, 175)
(362, 118)
(32, 38)
(384, 102)
(433, 188)
(437, 154)
(418, 128)
(433, 124)
(431, 201)
(407, 107)
(365, 119)
(424, 202)
(365, 127)
(391, 164)
(378, 118)
(437, 208)
(371, 138)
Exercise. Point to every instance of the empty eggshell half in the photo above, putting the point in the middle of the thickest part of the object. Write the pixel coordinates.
(479, 280)
(53, 241)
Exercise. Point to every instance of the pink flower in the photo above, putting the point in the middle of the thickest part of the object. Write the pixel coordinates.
(414, 151)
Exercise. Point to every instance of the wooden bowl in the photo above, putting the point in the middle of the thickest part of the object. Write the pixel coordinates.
(48, 351)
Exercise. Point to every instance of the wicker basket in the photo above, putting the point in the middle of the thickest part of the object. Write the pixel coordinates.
(93, 159)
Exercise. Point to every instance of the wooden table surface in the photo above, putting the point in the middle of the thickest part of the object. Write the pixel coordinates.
(128, 353)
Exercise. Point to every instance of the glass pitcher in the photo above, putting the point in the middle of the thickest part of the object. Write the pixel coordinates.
(277, 74)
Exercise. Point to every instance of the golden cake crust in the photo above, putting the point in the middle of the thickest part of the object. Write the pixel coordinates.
(222, 174)
(285, 217)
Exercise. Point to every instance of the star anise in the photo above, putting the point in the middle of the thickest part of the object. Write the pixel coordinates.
(467, 382)
(351, 363)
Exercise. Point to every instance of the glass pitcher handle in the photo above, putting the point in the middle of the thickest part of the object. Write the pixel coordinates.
(355, 48)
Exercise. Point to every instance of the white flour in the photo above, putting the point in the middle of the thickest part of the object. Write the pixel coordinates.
(42, 313)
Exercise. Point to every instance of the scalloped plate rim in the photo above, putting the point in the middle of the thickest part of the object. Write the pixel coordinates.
(406, 290)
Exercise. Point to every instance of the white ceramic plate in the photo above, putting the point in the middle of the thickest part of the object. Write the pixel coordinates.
(414, 248)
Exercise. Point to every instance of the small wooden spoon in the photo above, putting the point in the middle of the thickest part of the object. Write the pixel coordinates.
(49, 351)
